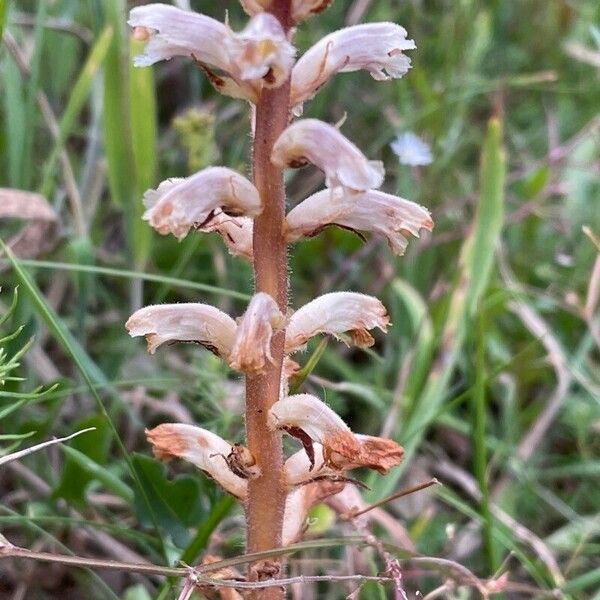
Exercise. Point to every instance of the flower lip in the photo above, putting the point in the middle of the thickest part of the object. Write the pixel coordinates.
(185, 322)
(336, 313)
(177, 205)
(202, 448)
(317, 142)
(236, 233)
(262, 51)
(252, 344)
(385, 215)
(374, 47)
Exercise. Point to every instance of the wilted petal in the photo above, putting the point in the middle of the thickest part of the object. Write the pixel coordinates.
(200, 447)
(300, 469)
(174, 32)
(384, 214)
(307, 418)
(261, 51)
(311, 140)
(179, 204)
(252, 345)
(236, 233)
(336, 313)
(187, 322)
(253, 7)
(375, 47)
(298, 504)
(301, 9)
(380, 454)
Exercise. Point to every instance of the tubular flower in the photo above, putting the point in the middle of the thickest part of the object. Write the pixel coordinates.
(236, 233)
(202, 448)
(180, 204)
(259, 55)
(307, 418)
(252, 345)
(262, 51)
(316, 142)
(374, 47)
(299, 502)
(186, 322)
(384, 214)
(336, 313)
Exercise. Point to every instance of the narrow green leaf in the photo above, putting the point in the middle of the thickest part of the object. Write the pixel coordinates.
(3, 13)
(144, 142)
(76, 102)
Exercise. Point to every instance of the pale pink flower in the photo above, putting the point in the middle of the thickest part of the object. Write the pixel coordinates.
(186, 322)
(202, 448)
(374, 47)
(261, 51)
(336, 313)
(385, 215)
(236, 233)
(180, 204)
(252, 345)
(259, 55)
(313, 141)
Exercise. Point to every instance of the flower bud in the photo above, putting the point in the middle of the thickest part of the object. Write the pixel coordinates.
(180, 204)
(200, 447)
(186, 322)
(252, 345)
(385, 215)
(314, 141)
(375, 47)
(336, 313)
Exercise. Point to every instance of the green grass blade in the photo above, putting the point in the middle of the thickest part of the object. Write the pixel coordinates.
(76, 102)
(3, 13)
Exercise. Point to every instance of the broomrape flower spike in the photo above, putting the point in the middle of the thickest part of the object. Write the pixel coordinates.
(385, 215)
(257, 64)
(316, 142)
(375, 47)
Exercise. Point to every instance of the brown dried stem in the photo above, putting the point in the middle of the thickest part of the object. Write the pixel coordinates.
(266, 493)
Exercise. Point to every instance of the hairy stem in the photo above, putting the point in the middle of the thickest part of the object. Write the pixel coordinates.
(266, 494)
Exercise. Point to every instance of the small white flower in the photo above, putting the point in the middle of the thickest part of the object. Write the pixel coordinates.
(186, 322)
(180, 204)
(375, 47)
(252, 345)
(386, 215)
(202, 448)
(412, 150)
(261, 51)
(311, 140)
(336, 313)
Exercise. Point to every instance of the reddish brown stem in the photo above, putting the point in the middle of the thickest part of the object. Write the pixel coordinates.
(266, 494)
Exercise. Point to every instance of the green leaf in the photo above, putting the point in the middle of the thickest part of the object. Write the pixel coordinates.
(3, 12)
(175, 504)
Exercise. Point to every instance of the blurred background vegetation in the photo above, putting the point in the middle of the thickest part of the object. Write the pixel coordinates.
(490, 376)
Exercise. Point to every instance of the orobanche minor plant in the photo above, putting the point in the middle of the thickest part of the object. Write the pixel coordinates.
(258, 65)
